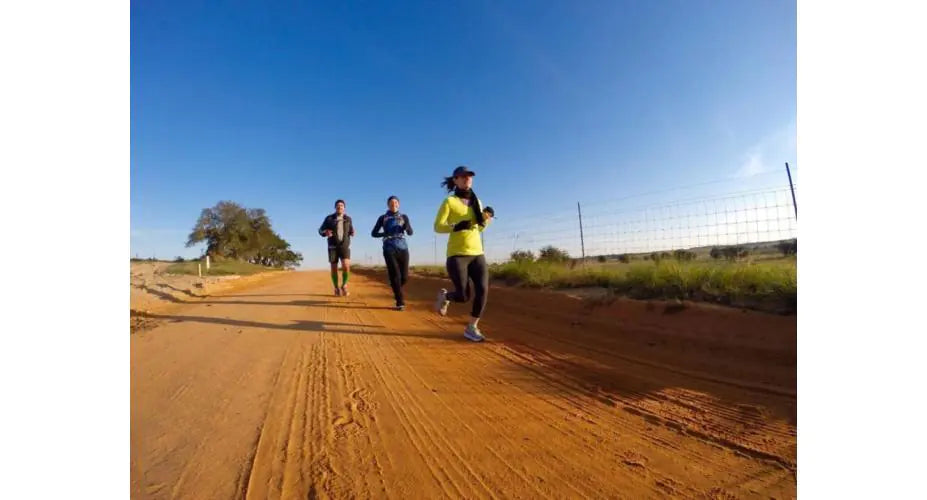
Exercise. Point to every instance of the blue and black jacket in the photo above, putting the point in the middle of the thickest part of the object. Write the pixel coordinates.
(393, 228)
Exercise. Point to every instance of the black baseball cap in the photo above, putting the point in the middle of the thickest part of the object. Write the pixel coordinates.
(463, 171)
(490, 210)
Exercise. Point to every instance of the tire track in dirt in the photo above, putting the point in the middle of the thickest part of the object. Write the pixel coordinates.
(582, 430)
(266, 477)
(398, 358)
(412, 433)
(477, 360)
(461, 421)
(364, 408)
(481, 417)
(453, 466)
(245, 477)
(669, 423)
(338, 397)
(353, 424)
(713, 412)
(693, 374)
(166, 463)
(641, 404)
(291, 459)
(477, 356)
(669, 442)
(200, 454)
(595, 343)
(446, 474)
(302, 455)
(630, 406)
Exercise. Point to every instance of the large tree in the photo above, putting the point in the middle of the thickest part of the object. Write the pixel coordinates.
(231, 231)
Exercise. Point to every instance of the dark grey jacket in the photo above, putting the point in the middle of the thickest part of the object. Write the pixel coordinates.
(331, 224)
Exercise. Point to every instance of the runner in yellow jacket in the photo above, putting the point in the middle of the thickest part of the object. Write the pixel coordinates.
(464, 217)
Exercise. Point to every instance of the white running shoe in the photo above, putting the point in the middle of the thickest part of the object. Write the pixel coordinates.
(441, 302)
(344, 291)
(473, 333)
(337, 292)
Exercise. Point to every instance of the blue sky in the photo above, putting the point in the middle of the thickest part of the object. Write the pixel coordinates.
(289, 107)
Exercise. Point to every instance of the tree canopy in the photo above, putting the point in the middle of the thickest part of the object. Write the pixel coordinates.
(232, 231)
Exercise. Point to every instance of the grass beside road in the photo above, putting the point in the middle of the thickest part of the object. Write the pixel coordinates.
(769, 285)
(218, 268)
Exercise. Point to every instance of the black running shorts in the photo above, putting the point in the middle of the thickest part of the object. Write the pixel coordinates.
(340, 252)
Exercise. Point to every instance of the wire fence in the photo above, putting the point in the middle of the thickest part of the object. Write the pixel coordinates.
(604, 229)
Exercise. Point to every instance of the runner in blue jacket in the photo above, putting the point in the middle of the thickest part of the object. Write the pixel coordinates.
(393, 228)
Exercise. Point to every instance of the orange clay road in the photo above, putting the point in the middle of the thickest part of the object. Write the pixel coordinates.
(282, 390)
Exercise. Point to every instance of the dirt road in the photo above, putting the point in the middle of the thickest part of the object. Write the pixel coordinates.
(284, 391)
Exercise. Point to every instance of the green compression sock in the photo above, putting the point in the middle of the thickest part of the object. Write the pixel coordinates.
(335, 278)
(344, 277)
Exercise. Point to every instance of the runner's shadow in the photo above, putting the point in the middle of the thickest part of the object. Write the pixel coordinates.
(164, 295)
(300, 326)
(217, 300)
(185, 292)
(298, 303)
(281, 295)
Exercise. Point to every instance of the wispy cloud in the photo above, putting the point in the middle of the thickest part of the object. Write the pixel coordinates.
(769, 153)
(752, 166)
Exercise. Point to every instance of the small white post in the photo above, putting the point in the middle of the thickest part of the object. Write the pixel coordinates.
(207, 263)
(199, 269)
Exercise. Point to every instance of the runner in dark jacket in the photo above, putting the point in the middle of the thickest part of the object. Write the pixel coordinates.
(393, 228)
(337, 227)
